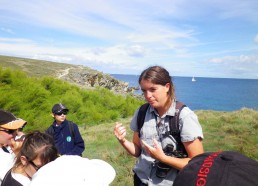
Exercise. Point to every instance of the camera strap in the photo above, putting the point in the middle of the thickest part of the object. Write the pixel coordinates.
(173, 123)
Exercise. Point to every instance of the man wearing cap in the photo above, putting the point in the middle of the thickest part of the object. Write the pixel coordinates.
(8, 131)
(66, 134)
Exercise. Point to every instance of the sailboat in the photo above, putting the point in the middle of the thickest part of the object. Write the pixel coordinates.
(193, 79)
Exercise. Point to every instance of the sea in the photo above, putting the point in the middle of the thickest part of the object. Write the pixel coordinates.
(219, 94)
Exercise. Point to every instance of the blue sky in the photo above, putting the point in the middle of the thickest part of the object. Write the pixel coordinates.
(215, 38)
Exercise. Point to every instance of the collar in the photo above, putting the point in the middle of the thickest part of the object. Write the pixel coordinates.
(61, 125)
(171, 111)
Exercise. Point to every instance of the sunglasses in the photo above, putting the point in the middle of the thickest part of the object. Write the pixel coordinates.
(60, 113)
(9, 131)
(36, 167)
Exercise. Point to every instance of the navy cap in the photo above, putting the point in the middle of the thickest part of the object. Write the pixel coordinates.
(59, 107)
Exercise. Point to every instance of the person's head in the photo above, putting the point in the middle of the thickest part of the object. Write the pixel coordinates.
(8, 126)
(157, 86)
(37, 150)
(59, 112)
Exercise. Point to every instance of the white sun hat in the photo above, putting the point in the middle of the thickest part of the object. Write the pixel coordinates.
(70, 170)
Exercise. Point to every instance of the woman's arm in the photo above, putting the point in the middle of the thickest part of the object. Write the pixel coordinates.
(134, 147)
(193, 148)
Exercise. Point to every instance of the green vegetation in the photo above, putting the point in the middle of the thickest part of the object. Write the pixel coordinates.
(231, 131)
(32, 99)
(96, 111)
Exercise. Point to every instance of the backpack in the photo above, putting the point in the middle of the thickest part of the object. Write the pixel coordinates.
(173, 125)
(51, 131)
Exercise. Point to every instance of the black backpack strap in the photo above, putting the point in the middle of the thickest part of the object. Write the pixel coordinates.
(5, 149)
(174, 127)
(141, 116)
(71, 128)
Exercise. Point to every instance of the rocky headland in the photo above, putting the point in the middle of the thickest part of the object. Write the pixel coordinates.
(90, 79)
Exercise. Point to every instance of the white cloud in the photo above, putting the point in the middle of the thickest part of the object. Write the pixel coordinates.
(117, 56)
(7, 30)
(241, 66)
(242, 59)
(256, 39)
(126, 35)
(15, 40)
(63, 59)
(136, 51)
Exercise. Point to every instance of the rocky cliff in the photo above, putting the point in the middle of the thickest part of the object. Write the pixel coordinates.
(90, 78)
(82, 76)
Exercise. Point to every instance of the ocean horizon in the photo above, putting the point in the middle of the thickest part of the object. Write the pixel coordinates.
(220, 94)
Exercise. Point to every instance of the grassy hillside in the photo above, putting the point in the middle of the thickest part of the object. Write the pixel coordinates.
(37, 68)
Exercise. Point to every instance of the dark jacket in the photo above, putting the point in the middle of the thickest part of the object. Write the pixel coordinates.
(66, 142)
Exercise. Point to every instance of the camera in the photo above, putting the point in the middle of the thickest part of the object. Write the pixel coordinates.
(162, 168)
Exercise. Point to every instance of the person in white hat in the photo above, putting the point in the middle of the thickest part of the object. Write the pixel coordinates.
(74, 170)
(9, 125)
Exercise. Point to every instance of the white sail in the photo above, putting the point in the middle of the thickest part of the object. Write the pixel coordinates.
(193, 79)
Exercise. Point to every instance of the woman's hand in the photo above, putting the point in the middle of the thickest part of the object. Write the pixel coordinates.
(156, 151)
(120, 132)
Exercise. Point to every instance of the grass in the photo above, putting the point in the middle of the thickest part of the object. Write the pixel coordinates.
(234, 131)
(231, 131)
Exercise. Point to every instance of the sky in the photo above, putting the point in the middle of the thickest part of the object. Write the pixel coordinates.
(214, 38)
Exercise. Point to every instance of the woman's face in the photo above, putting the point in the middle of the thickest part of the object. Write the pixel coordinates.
(155, 94)
(5, 136)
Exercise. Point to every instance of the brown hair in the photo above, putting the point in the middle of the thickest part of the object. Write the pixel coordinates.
(160, 76)
(37, 144)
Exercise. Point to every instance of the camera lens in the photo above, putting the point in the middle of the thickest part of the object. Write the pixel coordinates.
(162, 170)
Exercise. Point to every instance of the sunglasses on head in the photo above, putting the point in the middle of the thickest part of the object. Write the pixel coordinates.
(36, 167)
(9, 131)
(60, 113)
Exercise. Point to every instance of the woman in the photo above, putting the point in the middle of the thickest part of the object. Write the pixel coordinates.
(37, 150)
(9, 125)
(147, 142)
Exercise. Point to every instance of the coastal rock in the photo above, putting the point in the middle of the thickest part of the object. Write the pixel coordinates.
(88, 78)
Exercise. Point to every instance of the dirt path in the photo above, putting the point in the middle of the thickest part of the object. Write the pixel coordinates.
(64, 73)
